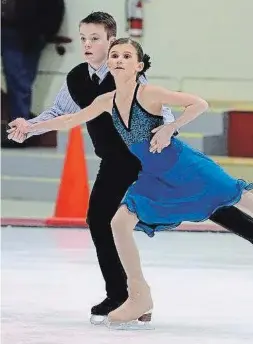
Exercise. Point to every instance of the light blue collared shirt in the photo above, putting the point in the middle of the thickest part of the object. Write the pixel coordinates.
(64, 103)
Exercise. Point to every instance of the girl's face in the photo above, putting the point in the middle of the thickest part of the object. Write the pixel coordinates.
(123, 61)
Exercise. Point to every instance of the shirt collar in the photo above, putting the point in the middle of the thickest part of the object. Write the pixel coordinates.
(101, 71)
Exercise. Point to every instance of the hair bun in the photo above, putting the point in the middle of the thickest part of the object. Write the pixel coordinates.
(147, 63)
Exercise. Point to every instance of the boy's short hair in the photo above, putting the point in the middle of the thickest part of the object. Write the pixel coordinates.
(102, 18)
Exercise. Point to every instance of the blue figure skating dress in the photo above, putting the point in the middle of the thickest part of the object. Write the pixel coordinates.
(179, 184)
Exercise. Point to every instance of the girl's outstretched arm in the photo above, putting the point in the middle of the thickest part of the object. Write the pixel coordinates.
(68, 121)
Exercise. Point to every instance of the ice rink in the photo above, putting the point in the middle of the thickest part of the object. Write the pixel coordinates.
(202, 285)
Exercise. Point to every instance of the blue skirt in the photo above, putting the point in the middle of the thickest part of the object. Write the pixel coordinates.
(179, 184)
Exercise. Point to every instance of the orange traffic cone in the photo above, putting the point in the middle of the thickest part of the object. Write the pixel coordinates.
(73, 195)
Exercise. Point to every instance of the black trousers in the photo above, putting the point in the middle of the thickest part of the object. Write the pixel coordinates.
(112, 182)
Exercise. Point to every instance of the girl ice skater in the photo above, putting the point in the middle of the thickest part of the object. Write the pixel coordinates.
(179, 184)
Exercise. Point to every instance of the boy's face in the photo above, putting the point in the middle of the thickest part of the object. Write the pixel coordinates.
(95, 44)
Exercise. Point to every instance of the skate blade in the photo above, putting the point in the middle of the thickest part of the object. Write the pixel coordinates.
(98, 320)
(134, 325)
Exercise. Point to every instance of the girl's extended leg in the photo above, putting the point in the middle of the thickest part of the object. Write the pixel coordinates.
(139, 301)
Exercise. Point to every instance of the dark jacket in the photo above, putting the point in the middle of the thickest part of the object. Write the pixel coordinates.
(33, 18)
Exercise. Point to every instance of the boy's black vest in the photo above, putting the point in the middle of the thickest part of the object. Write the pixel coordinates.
(106, 140)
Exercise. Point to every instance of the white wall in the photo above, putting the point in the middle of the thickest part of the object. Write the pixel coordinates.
(198, 46)
(206, 45)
